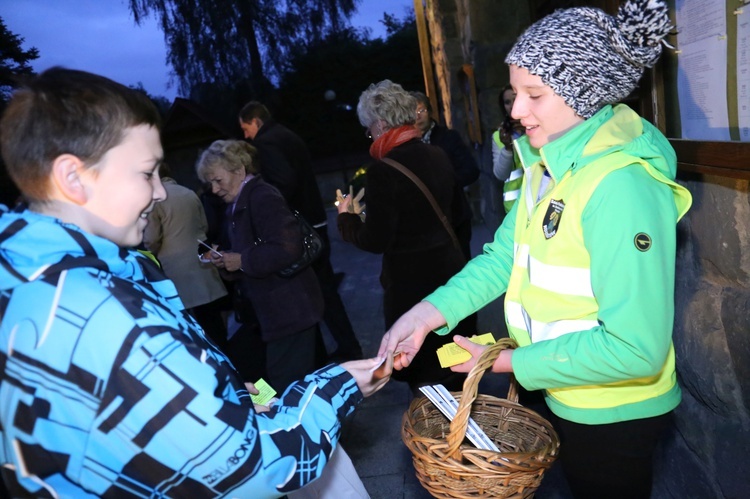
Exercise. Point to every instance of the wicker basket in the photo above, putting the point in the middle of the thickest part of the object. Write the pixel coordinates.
(449, 467)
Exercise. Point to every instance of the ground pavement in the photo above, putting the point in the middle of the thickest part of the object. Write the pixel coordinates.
(372, 435)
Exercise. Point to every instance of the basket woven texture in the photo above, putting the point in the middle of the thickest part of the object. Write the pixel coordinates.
(449, 467)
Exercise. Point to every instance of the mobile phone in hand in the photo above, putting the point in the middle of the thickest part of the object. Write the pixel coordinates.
(213, 251)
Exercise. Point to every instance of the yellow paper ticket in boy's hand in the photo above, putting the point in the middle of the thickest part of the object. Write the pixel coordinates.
(452, 354)
(266, 393)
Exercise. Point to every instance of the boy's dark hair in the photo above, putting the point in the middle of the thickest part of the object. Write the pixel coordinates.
(66, 111)
(254, 109)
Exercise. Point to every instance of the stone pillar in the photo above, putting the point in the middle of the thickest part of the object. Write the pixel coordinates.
(480, 33)
(706, 453)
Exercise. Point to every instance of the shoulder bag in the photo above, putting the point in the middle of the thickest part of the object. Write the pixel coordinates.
(312, 247)
(398, 166)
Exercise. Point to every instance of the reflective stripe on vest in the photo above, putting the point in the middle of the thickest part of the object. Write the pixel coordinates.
(512, 186)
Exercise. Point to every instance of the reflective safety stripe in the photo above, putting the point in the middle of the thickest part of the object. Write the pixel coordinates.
(518, 318)
(511, 195)
(558, 279)
(521, 258)
(515, 174)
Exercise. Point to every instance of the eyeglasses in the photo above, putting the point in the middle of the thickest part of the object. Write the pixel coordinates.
(421, 111)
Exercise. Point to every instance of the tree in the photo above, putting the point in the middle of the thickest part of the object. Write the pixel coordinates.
(162, 103)
(346, 62)
(225, 41)
(14, 61)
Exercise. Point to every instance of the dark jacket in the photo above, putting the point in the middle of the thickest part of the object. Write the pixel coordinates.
(464, 165)
(283, 306)
(401, 224)
(418, 254)
(466, 172)
(285, 163)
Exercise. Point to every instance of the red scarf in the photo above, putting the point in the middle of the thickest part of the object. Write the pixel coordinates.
(392, 138)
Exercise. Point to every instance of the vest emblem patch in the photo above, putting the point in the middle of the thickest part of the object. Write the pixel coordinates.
(552, 218)
(642, 241)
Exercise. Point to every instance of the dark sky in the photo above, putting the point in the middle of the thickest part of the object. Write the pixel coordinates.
(100, 36)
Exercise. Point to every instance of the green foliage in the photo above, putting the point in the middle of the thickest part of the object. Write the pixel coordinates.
(14, 61)
(346, 62)
(225, 41)
(162, 103)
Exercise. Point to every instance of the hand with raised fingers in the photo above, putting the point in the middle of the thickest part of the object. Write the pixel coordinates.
(342, 201)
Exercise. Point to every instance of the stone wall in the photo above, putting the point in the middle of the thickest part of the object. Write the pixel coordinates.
(705, 454)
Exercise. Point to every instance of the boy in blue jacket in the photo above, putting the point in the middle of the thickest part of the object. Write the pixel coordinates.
(107, 387)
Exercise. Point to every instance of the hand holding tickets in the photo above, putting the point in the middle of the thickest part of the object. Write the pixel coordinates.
(451, 354)
(212, 249)
(265, 392)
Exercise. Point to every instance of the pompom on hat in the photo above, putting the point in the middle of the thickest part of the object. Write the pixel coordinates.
(590, 58)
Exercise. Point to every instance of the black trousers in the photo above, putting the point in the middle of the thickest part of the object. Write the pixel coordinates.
(209, 316)
(334, 315)
(292, 357)
(610, 460)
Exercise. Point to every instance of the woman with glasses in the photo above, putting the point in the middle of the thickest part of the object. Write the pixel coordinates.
(418, 251)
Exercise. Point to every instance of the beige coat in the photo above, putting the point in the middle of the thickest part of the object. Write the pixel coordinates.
(174, 227)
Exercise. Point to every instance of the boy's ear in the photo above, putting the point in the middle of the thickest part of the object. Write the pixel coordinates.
(66, 178)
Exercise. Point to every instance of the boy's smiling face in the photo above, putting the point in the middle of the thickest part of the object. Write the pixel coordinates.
(123, 187)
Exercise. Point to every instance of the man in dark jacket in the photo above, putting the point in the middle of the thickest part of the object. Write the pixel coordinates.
(464, 165)
(285, 163)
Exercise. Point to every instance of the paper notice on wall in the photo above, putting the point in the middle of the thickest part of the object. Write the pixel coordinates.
(743, 73)
(699, 19)
(702, 69)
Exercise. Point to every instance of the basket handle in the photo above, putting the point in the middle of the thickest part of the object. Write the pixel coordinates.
(469, 394)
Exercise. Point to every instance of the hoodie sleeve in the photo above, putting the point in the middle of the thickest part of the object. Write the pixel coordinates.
(633, 283)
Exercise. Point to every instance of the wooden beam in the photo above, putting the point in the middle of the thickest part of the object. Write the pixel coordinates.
(426, 54)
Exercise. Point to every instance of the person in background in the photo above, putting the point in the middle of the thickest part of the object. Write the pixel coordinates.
(265, 239)
(174, 228)
(284, 161)
(108, 388)
(587, 254)
(418, 253)
(464, 165)
(506, 165)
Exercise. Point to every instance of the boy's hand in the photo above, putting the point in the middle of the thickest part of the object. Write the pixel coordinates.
(370, 374)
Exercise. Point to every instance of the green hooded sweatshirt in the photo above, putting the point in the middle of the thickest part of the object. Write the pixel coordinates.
(630, 287)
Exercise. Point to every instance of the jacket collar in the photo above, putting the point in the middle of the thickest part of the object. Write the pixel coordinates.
(566, 152)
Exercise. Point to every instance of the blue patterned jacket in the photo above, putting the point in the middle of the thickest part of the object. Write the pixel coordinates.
(107, 388)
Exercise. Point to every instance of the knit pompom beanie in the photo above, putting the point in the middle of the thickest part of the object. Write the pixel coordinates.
(590, 58)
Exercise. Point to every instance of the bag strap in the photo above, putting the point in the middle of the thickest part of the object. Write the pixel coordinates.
(398, 166)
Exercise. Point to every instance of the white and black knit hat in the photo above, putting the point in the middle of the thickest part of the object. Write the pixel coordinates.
(589, 58)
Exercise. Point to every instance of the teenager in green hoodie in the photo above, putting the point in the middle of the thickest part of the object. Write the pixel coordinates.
(586, 257)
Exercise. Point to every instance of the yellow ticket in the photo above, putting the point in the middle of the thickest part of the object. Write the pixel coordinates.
(452, 354)
(266, 392)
